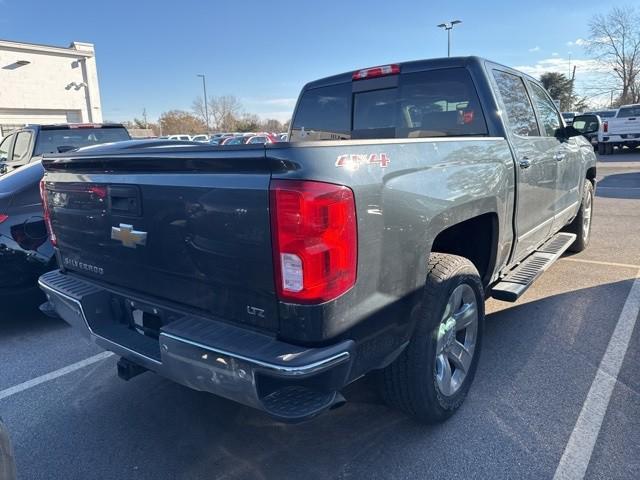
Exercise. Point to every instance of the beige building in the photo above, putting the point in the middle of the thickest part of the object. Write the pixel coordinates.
(46, 84)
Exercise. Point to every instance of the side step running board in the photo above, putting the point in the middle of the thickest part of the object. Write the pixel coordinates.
(517, 281)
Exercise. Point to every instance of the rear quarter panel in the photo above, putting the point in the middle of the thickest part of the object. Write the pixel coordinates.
(427, 186)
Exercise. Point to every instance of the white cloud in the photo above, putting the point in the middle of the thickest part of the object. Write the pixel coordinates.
(580, 42)
(282, 116)
(555, 54)
(535, 49)
(281, 102)
(563, 65)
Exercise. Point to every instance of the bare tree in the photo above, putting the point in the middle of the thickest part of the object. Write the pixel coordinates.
(198, 109)
(615, 40)
(225, 111)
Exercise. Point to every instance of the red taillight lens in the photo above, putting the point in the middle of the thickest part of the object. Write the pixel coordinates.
(315, 245)
(374, 72)
(3, 217)
(47, 215)
(605, 127)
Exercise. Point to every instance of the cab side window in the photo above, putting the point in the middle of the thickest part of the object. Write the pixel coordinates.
(518, 108)
(549, 116)
(21, 147)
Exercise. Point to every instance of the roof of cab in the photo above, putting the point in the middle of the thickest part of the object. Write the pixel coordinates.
(415, 66)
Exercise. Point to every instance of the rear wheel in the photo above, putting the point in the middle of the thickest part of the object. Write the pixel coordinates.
(608, 149)
(581, 225)
(431, 378)
(601, 148)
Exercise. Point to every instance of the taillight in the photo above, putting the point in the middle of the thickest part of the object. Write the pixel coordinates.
(605, 127)
(47, 214)
(315, 245)
(3, 217)
(374, 72)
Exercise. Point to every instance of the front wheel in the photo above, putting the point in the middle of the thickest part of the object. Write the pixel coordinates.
(431, 378)
(581, 225)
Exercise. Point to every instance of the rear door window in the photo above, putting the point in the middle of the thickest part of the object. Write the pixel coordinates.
(21, 147)
(517, 105)
(434, 103)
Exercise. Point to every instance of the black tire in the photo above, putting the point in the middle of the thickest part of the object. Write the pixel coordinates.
(578, 226)
(608, 149)
(410, 382)
(601, 149)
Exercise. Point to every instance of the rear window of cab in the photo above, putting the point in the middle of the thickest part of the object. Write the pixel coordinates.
(436, 103)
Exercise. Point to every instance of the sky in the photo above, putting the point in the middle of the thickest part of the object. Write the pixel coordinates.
(149, 52)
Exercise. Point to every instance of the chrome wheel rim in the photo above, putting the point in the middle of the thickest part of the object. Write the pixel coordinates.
(586, 220)
(456, 340)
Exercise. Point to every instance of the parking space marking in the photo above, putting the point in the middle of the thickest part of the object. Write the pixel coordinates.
(53, 375)
(606, 264)
(577, 454)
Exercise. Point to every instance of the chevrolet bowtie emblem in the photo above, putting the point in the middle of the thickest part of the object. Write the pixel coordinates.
(128, 236)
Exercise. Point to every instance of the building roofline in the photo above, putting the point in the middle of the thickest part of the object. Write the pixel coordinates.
(71, 51)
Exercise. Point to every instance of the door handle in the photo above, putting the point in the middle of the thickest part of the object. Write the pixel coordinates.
(559, 156)
(525, 162)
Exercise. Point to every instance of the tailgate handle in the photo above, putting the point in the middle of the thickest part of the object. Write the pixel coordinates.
(125, 200)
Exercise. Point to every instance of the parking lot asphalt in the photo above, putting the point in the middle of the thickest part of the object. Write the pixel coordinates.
(537, 370)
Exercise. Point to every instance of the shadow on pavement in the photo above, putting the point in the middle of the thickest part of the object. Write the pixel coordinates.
(19, 313)
(620, 185)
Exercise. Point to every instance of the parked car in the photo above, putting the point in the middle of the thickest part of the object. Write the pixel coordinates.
(25, 249)
(263, 138)
(183, 138)
(621, 130)
(603, 114)
(29, 143)
(568, 117)
(236, 140)
(200, 138)
(409, 194)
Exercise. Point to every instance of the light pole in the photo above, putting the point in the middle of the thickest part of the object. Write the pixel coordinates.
(448, 26)
(206, 107)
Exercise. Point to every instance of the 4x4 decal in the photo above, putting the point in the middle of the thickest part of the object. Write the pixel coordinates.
(354, 161)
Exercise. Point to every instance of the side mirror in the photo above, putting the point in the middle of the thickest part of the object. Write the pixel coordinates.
(584, 125)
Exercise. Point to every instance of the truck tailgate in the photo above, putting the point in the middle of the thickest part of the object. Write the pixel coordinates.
(189, 230)
(624, 126)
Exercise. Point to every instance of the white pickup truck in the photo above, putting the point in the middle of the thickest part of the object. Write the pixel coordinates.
(623, 130)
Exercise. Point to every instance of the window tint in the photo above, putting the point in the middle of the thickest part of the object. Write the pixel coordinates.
(629, 112)
(518, 108)
(548, 114)
(323, 114)
(4, 146)
(21, 147)
(426, 104)
(435, 103)
(49, 141)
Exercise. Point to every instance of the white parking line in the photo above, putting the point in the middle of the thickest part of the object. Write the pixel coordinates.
(597, 262)
(577, 454)
(53, 375)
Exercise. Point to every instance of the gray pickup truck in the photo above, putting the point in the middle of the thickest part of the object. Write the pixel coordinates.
(276, 275)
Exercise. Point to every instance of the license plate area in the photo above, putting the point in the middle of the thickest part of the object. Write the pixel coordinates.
(146, 320)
